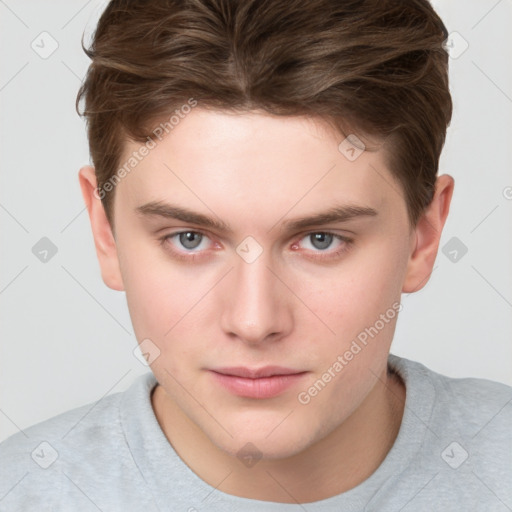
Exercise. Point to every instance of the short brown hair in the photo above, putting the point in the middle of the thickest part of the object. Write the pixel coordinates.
(374, 67)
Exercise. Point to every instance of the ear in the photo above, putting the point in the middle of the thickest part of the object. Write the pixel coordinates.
(104, 241)
(428, 233)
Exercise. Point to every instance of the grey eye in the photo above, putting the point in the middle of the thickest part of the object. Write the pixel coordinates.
(190, 239)
(321, 240)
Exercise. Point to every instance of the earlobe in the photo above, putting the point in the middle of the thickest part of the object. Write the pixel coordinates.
(104, 241)
(427, 235)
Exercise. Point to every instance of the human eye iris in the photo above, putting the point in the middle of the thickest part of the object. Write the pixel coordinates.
(185, 245)
(189, 239)
(321, 241)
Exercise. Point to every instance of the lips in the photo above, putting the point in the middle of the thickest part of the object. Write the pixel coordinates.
(248, 373)
(259, 383)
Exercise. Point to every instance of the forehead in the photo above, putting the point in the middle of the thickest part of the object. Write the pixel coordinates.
(258, 161)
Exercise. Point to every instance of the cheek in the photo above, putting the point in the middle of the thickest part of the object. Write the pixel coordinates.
(158, 293)
(161, 304)
(353, 297)
(168, 304)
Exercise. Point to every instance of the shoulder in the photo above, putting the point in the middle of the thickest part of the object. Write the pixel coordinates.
(481, 411)
(476, 410)
(464, 435)
(47, 459)
(472, 414)
(82, 424)
(469, 398)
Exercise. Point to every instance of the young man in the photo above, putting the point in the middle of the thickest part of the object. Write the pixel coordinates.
(264, 189)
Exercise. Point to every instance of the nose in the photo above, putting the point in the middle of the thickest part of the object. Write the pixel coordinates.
(257, 307)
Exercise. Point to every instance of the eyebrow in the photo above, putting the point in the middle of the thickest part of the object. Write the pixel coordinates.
(339, 213)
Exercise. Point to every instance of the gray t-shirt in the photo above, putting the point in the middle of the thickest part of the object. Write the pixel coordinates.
(453, 452)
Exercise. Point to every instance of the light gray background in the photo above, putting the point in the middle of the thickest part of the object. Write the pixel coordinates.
(67, 340)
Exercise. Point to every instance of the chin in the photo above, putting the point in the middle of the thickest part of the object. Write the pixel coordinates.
(260, 445)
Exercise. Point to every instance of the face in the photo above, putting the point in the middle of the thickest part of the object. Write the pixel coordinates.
(255, 288)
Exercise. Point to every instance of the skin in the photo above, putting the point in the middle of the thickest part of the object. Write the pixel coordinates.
(254, 171)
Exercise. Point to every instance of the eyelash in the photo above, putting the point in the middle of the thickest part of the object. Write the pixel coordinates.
(190, 256)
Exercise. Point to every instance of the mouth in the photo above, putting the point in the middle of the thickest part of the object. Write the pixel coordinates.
(248, 373)
(259, 383)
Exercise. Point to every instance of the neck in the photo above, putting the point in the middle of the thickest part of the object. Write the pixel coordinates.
(338, 462)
